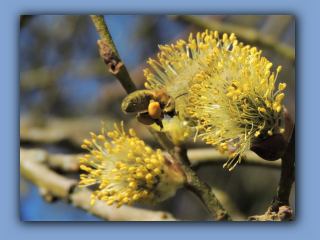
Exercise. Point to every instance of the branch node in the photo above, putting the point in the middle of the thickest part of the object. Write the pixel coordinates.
(109, 56)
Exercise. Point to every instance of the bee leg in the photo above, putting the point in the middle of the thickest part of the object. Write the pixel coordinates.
(144, 118)
(171, 114)
(159, 123)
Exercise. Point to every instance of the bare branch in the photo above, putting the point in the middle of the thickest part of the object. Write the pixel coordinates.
(50, 184)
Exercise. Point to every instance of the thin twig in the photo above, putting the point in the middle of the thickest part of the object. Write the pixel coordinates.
(53, 186)
(109, 54)
(102, 28)
(287, 177)
(200, 188)
(279, 209)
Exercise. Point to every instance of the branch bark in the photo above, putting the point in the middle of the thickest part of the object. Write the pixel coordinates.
(279, 209)
(110, 56)
(287, 177)
(200, 188)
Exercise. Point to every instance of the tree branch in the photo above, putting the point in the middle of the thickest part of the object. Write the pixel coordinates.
(287, 176)
(200, 188)
(103, 31)
(279, 209)
(110, 56)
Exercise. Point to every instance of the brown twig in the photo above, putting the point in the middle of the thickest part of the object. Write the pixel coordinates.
(287, 177)
(53, 186)
(284, 213)
(200, 188)
(279, 209)
(110, 56)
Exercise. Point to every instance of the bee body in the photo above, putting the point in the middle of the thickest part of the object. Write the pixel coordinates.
(137, 101)
(150, 106)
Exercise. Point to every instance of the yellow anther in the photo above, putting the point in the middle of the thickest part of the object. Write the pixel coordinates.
(149, 150)
(119, 204)
(150, 166)
(148, 176)
(282, 86)
(279, 68)
(84, 146)
(104, 199)
(117, 178)
(110, 151)
(94, 136)
(114, 170)
(157, 171)
(131, 202)
(279, 109)
(140, 175)
(111, 135)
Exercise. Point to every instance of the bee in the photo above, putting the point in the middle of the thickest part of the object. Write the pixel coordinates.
(150, 105)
